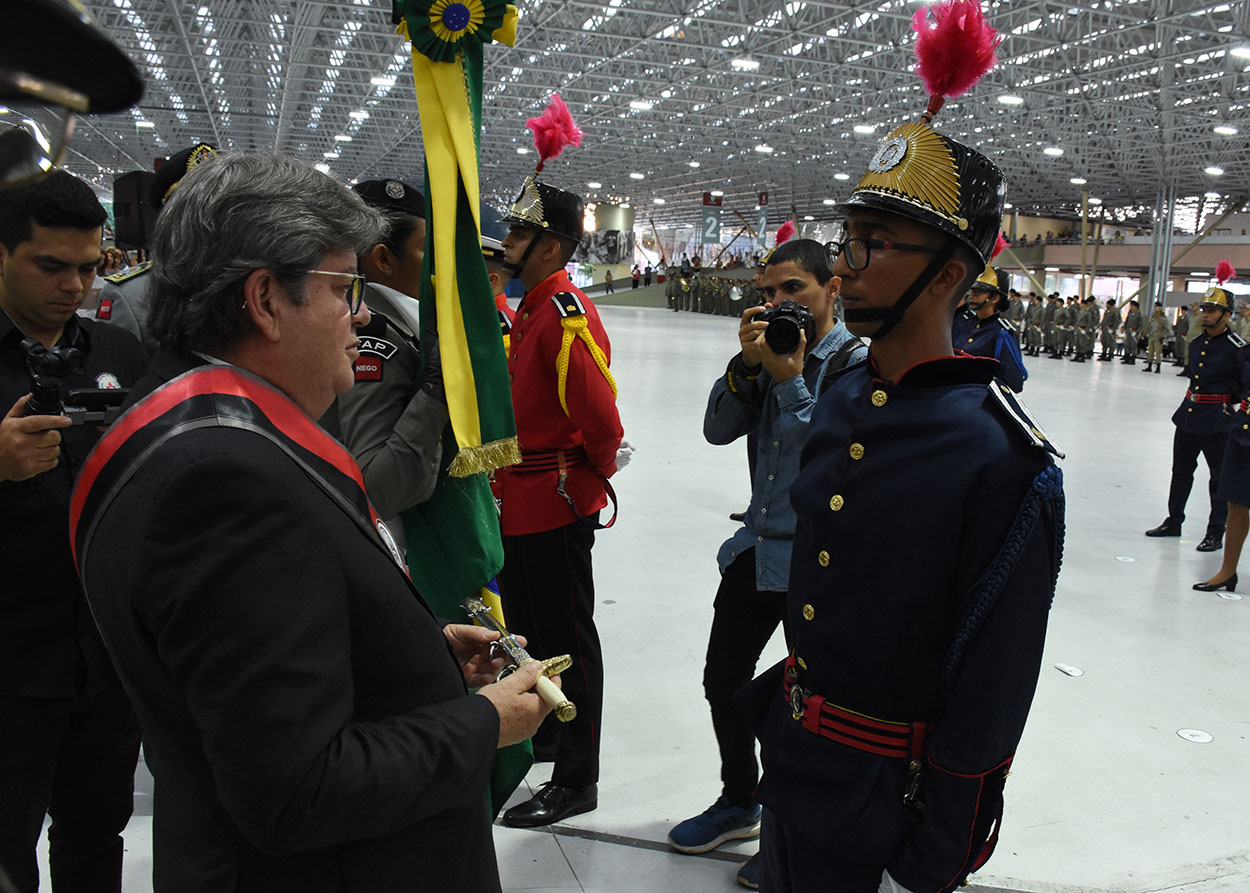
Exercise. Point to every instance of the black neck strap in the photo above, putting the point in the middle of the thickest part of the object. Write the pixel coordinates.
(516, 268)
(893, 315)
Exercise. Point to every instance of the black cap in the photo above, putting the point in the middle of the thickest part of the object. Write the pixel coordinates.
(57, 41)
(392, 195)
(177, 166)
(920, 174)
(552, 210)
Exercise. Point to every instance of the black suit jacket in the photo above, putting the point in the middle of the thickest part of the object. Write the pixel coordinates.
(304, 718)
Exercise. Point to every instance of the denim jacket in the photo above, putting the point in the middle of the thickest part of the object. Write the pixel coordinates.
(779, 415)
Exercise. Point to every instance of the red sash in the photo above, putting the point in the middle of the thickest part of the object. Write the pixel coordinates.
(218, 396)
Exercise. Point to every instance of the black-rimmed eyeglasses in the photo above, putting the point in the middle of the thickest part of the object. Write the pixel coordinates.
(356, 291)
(858, 251)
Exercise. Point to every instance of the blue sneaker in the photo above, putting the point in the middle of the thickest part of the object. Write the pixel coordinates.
(716, 824)
(749, 874)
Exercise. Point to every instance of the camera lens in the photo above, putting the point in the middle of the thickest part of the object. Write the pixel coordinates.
(782, 335)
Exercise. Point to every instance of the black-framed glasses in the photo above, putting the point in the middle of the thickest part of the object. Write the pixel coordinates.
(858, 251)
(355, 292)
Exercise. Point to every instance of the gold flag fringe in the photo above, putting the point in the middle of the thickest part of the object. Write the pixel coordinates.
(487, 457)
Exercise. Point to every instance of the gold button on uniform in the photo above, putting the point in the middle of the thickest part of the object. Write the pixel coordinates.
(857, 451)
(879, 398)
(836, 503)
(808, 612)
(823, 558)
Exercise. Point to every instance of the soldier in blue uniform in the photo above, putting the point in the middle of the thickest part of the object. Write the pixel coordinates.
(991, 335)
(917, 635)
(1202, 420)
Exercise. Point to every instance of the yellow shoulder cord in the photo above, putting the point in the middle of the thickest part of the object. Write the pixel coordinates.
(577, 325)
(507, 345)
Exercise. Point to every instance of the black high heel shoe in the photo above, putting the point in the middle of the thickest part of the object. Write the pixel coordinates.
(1230, 584)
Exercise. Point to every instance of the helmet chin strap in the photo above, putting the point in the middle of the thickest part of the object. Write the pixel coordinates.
(893, 315)
(516, 268)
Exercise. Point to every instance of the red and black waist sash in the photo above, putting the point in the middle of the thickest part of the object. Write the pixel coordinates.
(1208, 398)
(218, 396)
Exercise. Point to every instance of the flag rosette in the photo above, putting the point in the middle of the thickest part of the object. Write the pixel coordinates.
(438, 29)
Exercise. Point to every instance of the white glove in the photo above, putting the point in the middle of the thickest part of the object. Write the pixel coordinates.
(623, 454)
(889, 885)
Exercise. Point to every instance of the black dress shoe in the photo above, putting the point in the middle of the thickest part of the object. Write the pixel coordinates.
(1167, 528)
(1211, 542)
(552, 803)
(1230, 584)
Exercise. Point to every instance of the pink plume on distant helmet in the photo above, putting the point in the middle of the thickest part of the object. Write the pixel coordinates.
(1224, 271)
(553, 131)
(998, 246)
(955, 51)
(785, 232)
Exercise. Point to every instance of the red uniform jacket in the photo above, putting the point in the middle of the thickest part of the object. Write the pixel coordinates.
(531, 503)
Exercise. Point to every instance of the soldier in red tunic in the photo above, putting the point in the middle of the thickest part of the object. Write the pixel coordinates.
(569, 431)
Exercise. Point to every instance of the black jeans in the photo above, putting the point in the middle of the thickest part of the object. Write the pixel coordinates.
(743, 621)
(548, 593)
(1185, 450)
(72, 759)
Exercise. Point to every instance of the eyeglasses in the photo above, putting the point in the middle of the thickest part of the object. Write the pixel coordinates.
(858, 251)
(356, 291)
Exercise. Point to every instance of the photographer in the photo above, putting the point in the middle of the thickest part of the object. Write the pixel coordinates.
(70, 739)
(769, 390)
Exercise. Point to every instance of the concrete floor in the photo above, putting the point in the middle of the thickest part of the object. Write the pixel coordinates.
(1104, 796)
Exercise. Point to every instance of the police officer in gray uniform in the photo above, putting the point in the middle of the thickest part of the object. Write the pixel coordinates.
(392, 419)
(1033, 326)
(1048, 324)
(1086, 323)
(1132, 333)
(123, 299)
(1180, 329)
(1064, 324)
(1110, 324)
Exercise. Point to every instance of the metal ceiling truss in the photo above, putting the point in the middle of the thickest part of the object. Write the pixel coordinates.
(1131, 92)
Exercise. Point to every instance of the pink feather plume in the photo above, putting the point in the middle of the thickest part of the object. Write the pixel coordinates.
(955, 51)
(785, 232)
(554, 130)
(999, 246)
(1224, 271)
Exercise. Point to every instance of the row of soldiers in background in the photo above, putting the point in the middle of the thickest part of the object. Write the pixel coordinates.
(717, 295)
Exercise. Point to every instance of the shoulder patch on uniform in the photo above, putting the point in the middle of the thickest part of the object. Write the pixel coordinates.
(105, 310)
(1237, 340)
(568, 304)
(1015, 409)
(378, 346)
(127, 275)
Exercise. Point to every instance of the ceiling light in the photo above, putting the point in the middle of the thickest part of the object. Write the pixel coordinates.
(658, 201)
(829, 201)
(637, 176)
(764, 149)
(1095, 201)
(595, 185)
(521, 150)
(331, 155)
(1241, 52)
(841, 176)
(1225, 130)
(342, 138)
(744, 63)
(1078, 181)
(1011, 99)
(665, 94)
(1212, 195)
(359, 114)
(808, 217)
(717, 193)
(624, 204)
(1052, 269)
(383, 81)
(864, 128)
(1213, 170)
(694, 164)
(1053, 151)
(641, 105)
(1008, 206)
(145, 125)
(323, 167)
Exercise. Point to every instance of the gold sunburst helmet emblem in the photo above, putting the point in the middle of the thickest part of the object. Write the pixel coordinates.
(914, 164)
(528, 206)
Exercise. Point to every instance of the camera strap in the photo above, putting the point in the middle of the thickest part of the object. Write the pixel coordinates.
(893, 315)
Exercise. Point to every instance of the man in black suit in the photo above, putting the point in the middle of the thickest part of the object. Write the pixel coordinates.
(306, 717)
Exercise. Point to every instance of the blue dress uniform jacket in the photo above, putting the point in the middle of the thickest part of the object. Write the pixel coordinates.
(1213, 371)
(927, 547)
(993, 337)
(306, 723)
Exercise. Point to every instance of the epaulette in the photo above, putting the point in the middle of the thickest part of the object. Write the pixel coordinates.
(1237, 340)
(127, 275)
(1006, 324)
(568, 304)
(1020, 415)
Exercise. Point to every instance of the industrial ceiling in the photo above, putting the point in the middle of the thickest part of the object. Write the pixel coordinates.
(679, 97)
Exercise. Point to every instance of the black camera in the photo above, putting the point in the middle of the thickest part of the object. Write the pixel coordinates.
(48, 366)
(785, 321)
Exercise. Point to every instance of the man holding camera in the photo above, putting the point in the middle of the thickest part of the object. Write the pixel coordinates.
(70, 739)
(791, 347)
